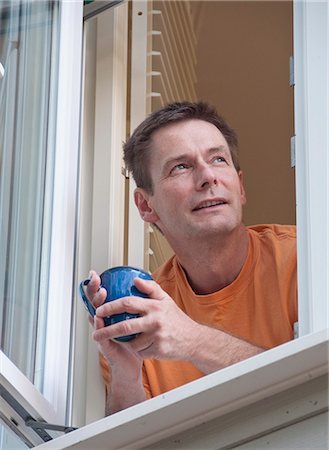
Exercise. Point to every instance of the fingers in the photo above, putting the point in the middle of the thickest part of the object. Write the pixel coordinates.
(119, 329)
(134, 305)
(98, 323)
(95, 293)
(99, 297)
(149, 311)
(163, 329)
(94, 283)
(150, 288)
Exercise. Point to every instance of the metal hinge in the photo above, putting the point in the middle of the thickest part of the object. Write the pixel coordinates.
(16, 417)
(293, 151)
(291, 71)
(40, 427)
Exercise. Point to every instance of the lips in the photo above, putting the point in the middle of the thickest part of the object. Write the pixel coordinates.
(209, 204)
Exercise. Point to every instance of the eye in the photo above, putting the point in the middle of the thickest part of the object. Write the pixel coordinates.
(179, 168)
(218, 159)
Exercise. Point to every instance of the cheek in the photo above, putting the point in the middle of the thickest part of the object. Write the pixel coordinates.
(178, 187)
(170, 203)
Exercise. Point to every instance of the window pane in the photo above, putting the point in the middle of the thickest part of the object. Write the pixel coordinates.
(28, 54)
(9, 441)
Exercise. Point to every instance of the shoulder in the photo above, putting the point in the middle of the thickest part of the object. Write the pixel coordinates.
(274, 241)
(273, 232)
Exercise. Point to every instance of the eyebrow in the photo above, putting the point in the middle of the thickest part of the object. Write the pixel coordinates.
(186, 156)
(220, 149)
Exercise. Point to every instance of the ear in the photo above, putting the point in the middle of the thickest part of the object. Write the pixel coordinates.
(144, 205)
(242, 190)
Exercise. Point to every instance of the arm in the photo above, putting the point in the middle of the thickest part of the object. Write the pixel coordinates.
(216, 349)
(168, 333)
(126, 385)
(124, 391)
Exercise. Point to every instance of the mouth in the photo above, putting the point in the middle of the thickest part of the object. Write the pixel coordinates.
(209, 204)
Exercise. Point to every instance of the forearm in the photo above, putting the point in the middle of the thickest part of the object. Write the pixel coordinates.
(214, 349)
(124, 393)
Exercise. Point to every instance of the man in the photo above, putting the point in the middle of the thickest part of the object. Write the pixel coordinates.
(229, 292)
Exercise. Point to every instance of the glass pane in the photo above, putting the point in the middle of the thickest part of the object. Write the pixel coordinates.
(9, 441)
(28, 54)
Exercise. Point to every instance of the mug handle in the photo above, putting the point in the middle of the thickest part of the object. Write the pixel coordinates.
(88, 305)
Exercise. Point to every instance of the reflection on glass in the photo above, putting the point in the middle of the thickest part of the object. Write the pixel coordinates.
(9, 441)
(29, 63)
(28, 79)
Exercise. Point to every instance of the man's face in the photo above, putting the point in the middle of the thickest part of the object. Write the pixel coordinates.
(197, 191)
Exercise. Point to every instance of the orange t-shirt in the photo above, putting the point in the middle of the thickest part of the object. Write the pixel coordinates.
(260, 306)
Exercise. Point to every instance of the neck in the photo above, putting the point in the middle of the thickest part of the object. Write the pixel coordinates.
(214, 264)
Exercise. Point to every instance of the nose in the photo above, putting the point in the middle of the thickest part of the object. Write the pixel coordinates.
(205, 177)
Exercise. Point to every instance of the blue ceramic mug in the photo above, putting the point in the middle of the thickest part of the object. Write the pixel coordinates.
(118, 282)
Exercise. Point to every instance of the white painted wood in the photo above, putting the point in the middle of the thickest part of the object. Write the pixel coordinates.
(309, 434)
(13, 380)
(80, 325)
(57, 347)
(311, 33)
(51, 406)
(110, 131)
(263, 418)
(108, 182)
(101, 216)
(137, 238)
(210, 397)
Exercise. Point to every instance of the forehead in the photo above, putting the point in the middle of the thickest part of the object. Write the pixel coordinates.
(187, 134)
(184, 128)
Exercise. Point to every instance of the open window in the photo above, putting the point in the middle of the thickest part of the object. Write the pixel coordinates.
(40, 53)
(51, 365)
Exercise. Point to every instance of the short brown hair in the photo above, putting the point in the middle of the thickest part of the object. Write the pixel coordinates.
(137, 149)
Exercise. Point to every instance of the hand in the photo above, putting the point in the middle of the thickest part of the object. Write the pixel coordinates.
(166, 332)
(121, 358)
(126, 387)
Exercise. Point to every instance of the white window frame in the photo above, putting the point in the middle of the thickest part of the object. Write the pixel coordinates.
(312, 224)
(197, 403)
(51, 406)
(64, 208)
(311, 36)
(100, 241)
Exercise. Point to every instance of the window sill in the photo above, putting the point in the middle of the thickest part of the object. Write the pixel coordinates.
(210, 397)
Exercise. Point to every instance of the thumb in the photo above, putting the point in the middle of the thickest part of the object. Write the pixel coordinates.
(150, 288)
